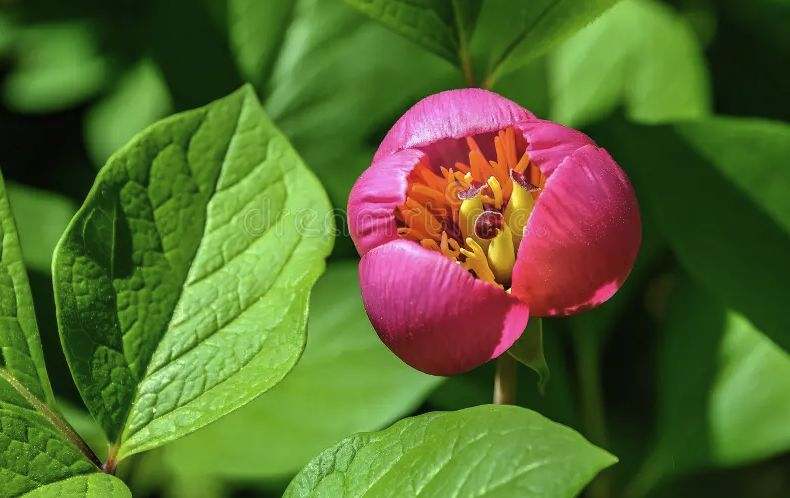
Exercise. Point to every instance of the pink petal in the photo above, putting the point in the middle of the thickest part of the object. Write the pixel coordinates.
(376, 194)
(549, 143)
(432, 313)
(451, 114)
(582, 238)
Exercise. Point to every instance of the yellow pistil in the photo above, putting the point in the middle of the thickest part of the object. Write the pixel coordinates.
(467, 216)
(477, 262)
(502, 256)
(518, 211)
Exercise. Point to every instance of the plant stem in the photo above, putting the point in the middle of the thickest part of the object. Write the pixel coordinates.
(505, 380)
(68, 432)
(468, 69)
(112, 460)
(588, 356)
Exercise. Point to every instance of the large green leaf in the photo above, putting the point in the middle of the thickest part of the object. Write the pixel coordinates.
(346, 382)
(182, 283)
(93, 486)
(140, 98)
(722, 226)
(512, 33)
(442, 26)
(724, 399)
(41, 218)
(482, 451)
(624, 58)
(33, 452)
(59, 66)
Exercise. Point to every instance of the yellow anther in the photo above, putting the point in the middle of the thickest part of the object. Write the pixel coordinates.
(502, 256)
(450, 248)
(467, 216)
(517, 212)
(477, 262)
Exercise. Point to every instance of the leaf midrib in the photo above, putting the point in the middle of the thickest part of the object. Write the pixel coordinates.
(68, 433)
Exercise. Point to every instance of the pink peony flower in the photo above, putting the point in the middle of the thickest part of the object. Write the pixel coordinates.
(475, 215)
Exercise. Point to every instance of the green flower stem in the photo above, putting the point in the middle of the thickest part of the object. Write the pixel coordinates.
(505, 380)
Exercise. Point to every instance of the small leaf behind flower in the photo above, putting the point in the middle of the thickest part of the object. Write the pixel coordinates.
(528, 349)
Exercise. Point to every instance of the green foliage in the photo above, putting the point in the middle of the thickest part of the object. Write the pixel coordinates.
(442, 26)
(346, 382)
(316, 97)
(723, 385)
(711, 221)
(139, 99)
(516, 33)
(32, 451)
(58, 67)
(41, 218)
(595, 71)
(182, 283)
(95, 486)
(487, 450)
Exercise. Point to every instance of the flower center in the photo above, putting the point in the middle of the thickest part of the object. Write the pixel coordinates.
(474, 213)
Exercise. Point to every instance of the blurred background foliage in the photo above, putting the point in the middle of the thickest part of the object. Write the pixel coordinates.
(684, 374)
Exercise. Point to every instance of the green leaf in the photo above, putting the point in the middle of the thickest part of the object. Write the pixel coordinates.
(516, 33)
(7, 33)
(725, 238)
(257, 31)
(528, 350)
(41, 218)
(93, 486)
(346, 382)
(32, 451)
(723, 389)
(182, 283)
(192, 50)
(623, 58)
(315, 97)
(440, 26)
(140, 99)
(59, 66)
(487, 450)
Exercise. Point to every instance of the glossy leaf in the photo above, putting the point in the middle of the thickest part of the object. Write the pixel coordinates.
(33, 452)
(59, 66)
(487, 450)
(182, 283)
(519, 32)
(140, 98)
(725, 238)
(347, 381)
(623, 59)
(93, 486)
(443, 27)
(41, 218)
